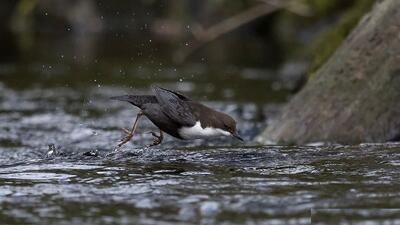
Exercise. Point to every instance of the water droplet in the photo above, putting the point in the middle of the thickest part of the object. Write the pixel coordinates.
(99, 85)
(187, 44)
(180, 79)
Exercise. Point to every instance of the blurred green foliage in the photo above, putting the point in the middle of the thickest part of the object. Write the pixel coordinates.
(296, 32)
(272, 39)
(322, 8)
(318, 35)
(326, 43)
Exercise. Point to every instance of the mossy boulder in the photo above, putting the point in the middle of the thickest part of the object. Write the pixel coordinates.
(355, 95)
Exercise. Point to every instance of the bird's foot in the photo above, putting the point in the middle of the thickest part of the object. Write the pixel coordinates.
(156, 141)
(129, 133)
(126, 138)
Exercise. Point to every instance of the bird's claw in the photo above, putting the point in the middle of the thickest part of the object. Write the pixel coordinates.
(125, 139)
(129, 133)
(155, 135)
(156, 141)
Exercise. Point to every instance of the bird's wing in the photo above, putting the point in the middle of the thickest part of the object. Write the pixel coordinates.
(180, 96)
(137, 100)
(175, 106)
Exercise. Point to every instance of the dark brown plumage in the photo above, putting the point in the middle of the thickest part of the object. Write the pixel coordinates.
(179, 116)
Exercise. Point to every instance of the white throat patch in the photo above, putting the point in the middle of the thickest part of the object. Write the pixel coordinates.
(197, 132)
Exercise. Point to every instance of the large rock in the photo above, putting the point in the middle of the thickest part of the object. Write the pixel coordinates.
(355, 96)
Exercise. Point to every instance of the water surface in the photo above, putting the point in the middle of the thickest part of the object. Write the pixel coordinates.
(59, 163)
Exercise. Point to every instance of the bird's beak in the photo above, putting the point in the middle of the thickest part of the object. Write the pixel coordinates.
(236, 135)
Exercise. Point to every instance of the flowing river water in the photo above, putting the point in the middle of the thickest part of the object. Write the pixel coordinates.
(59, 163)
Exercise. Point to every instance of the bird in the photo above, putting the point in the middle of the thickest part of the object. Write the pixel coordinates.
(178, 116)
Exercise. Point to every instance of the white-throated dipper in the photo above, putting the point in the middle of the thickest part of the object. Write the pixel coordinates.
(178, 116)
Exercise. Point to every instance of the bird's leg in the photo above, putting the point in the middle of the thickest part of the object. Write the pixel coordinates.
(158, 139)
(129, 133)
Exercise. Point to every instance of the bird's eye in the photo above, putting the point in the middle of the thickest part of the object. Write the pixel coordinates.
(228, 128)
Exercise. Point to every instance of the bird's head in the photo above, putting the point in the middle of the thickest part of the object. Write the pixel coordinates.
(230, 126)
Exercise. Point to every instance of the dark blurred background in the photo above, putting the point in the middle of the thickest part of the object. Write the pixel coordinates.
(244, 50)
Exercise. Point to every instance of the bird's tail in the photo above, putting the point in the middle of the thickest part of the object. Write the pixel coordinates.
(136, 100)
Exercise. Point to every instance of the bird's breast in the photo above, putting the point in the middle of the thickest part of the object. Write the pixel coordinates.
(197, 132)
